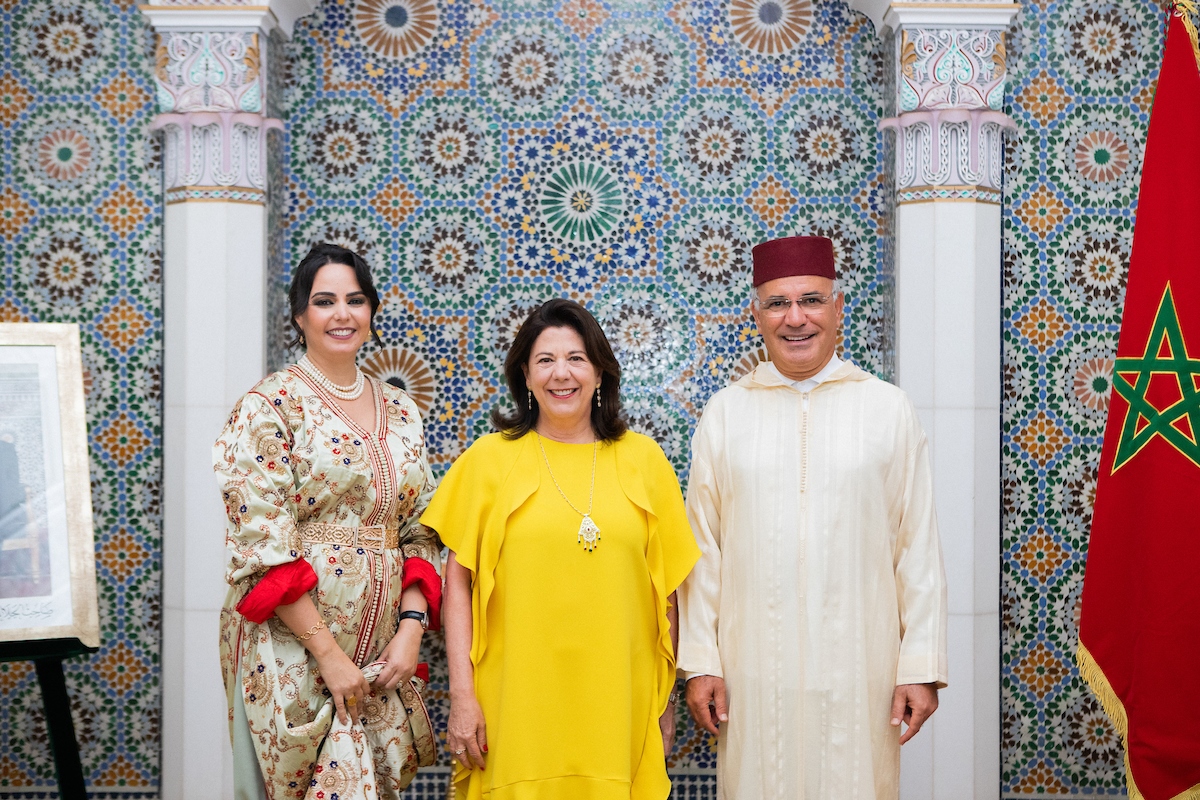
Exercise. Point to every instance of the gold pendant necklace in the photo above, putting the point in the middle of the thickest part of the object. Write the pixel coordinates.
(589, 532)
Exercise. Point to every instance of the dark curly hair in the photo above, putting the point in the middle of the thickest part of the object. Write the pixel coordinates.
(321, 254)
(608, 422)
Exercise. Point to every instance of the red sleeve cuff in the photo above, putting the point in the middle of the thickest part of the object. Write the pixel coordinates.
(420, 572)
(281, 585)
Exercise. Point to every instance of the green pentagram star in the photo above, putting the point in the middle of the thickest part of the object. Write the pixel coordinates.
(1165, 354)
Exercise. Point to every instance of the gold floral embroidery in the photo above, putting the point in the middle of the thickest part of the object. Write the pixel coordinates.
(400, 414)
(235, 503)
(267, 442)
(276, 465)
(258, 685)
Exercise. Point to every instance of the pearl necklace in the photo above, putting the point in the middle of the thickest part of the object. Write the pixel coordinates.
(351, 392)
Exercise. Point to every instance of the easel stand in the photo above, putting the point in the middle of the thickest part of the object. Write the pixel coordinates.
(47, 656)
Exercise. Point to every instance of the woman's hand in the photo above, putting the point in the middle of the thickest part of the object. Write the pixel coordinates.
(342, 677)
(344, 681)
(465, 734)
(666, 724)
(401, 655)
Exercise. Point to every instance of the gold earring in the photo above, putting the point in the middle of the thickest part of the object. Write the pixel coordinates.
(597, 397)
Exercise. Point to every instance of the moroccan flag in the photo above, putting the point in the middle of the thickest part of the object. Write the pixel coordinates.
(1139, 637)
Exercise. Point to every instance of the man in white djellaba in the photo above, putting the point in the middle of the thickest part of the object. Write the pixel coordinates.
(815, 622)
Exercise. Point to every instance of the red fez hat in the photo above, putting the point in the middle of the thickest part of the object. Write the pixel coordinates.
(793, 255)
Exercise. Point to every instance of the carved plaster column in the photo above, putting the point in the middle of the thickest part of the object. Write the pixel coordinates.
(949, 127)
(212, 72)
(211, 97)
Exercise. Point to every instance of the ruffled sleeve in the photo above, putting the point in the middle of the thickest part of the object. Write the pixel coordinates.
(649, 481)
(252, 461)
(470, 512)
(675, 538)
(458, 510)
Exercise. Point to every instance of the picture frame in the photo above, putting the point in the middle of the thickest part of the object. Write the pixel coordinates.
(47, 547)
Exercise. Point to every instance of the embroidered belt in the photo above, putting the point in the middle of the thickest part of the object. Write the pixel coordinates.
(368, 537)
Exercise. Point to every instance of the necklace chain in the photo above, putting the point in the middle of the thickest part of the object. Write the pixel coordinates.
(592, 493)
(588, 532)
(351, 392)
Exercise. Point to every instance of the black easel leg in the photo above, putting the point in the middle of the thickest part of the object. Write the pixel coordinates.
(61, 729)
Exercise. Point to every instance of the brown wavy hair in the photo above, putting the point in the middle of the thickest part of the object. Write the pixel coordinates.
(608, 422)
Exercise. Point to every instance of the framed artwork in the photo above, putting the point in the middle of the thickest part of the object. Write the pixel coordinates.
(47, 554)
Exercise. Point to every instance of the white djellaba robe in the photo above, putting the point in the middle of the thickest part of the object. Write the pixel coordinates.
(821, 585)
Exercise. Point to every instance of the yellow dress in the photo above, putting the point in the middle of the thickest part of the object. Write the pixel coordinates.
(572, 650)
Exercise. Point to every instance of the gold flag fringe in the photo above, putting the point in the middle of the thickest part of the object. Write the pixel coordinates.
(1186, 10)
(1090, 671)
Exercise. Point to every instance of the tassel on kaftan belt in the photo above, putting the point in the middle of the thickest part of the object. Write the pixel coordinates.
(368, 537)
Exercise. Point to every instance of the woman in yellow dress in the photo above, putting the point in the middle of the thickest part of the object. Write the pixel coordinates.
(568, 538)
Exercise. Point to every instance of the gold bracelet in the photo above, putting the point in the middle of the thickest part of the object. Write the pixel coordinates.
(308, 634)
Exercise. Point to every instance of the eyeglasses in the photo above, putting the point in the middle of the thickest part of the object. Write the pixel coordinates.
(775, 307)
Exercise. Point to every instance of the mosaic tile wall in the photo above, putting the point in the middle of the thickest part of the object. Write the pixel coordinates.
(80, 221)
(484, 157)
(1082, 80)
(455, 144)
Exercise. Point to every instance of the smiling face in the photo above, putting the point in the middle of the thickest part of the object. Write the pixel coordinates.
(800, 342)
(562, 378)
(337, 320)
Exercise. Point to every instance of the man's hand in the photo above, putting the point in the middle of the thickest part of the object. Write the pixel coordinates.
(706, 701)
(913, 703)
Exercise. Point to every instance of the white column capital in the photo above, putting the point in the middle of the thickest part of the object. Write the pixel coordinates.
(210, 78)
(950, 76)
(888, 15)
(975, 16)
(266, 17)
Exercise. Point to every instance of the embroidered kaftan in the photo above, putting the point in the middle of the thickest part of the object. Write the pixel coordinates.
(288, 456)
(820, 587)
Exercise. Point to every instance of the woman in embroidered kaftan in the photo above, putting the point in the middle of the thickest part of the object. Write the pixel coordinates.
(560, 638)
(327, 561)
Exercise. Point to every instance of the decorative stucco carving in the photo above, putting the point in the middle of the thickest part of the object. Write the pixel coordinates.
(210, 87)
(950, 126)
(943, 68)
(208, 71)
(954, 154)
(211, 150)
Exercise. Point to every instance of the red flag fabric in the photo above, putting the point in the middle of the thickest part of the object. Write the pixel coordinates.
(1139, 637)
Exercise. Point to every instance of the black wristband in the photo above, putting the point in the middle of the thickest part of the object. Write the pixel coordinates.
(420, 616)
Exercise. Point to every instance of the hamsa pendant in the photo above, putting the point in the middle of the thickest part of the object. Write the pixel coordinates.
(589, 534)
